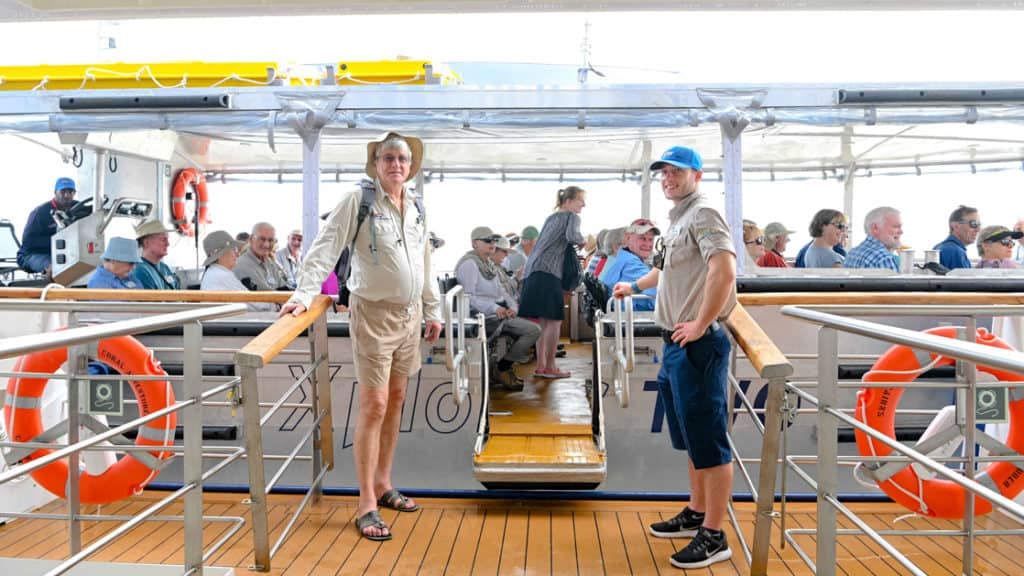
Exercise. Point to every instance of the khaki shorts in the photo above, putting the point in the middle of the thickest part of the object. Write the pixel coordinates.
(385, 339)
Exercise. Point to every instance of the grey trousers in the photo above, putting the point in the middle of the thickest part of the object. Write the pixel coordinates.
(524, 334)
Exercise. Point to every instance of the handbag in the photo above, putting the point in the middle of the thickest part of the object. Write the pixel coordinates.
(571, 271)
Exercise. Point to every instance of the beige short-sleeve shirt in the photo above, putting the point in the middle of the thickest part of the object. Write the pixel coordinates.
(696, 232)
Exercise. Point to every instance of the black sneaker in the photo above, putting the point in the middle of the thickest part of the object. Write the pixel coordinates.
(682, 525)
(704, 550)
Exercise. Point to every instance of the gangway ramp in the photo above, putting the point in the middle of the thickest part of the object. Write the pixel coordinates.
(543, 437)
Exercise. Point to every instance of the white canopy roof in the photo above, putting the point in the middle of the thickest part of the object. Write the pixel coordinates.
(529, 129)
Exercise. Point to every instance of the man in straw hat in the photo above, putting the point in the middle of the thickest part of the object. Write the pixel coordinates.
(389, 288)
(151, 272)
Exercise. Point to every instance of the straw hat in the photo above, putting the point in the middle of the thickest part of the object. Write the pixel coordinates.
(415, 146)
(149, 228)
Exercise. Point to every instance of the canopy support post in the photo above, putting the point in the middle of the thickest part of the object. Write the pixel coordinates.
(732, 124)
(310, 190)
(848, 178)
(645, 180)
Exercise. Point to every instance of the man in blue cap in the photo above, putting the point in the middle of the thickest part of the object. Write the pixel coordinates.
(34, 254)
(696, 290)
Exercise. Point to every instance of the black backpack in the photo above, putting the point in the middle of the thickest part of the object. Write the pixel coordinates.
(343, 268)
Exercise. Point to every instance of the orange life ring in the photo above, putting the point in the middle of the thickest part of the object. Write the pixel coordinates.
(186, 178)
(876, 407)
(129, 475)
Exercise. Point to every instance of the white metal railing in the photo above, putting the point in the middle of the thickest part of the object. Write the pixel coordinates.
(77, 339)
(456, 356)
(969, 356)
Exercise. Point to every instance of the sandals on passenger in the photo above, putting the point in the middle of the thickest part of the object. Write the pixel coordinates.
(395, 500)
(372, 519)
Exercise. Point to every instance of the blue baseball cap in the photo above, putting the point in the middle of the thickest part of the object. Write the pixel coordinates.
(64, 184)
(680, 157)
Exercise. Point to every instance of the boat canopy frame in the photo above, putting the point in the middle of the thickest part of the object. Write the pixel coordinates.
(612, 129)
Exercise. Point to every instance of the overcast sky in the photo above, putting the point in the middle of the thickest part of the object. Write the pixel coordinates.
(693, 46)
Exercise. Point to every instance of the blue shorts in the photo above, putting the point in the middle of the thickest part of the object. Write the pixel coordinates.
(693, 382)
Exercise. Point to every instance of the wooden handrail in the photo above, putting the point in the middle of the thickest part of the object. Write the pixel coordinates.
(763, 354)
(812, 298)
(265, 347)
(146, 295)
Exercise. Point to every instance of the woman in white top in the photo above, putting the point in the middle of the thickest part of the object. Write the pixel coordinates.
(221, 255)
(827, 228)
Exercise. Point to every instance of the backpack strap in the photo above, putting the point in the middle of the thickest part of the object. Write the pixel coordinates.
(369, 196)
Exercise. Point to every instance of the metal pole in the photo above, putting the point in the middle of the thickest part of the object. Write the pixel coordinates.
(828, 438)
(846, 153)
(774, 420)
(970, 375)
(310, 189)
(257, 478)
(732, 174)
(78, 363)
(645, 180)
(323, 441)
(193, 456)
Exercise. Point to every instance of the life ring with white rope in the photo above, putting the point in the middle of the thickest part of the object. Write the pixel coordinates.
(876, 407)
(189, 178)
(128, 476)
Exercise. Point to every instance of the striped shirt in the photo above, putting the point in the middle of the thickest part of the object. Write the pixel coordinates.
(560, 229)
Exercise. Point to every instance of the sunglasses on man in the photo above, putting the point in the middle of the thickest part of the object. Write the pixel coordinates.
(971, 223)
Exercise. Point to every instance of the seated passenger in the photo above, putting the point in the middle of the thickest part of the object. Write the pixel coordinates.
(289, 258)
(827, 229)
(221, 256)
(151, 272)
(963, 230)
(478, 275)
(631, 262)
(502, 246)
(995, 246)
(599, 254)
(34, 254)
(120, 257)
(776, 236)
(753, 240)
(517, 257)
(884, 227)
(256, 267)
(613, 241)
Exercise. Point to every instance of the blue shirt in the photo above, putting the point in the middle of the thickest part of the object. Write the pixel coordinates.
(104, 278)
(151, 276)
(953, 253)
(800, 263)
(871, 254)
(628, 267)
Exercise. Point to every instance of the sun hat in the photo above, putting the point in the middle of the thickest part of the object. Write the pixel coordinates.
(502, 243)
(415, 146)
(122, 250)
(775, 229)
(216, 244)
(483, 233)
(680, 157)
(150, 227)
